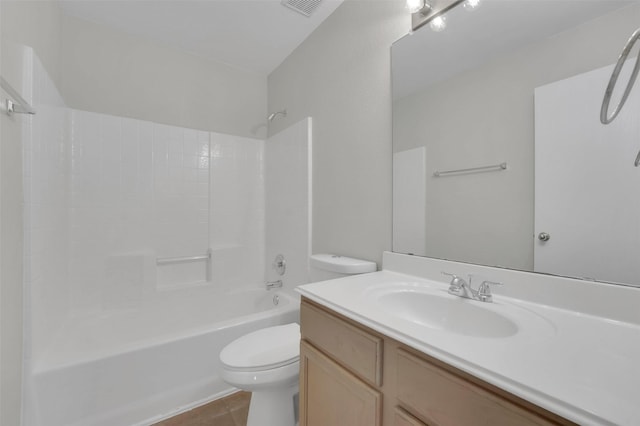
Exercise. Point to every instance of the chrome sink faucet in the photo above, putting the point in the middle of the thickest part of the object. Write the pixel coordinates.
(459, 287)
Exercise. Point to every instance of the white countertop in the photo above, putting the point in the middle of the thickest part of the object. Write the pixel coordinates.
(583, 367)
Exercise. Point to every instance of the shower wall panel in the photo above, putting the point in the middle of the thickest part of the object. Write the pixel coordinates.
(139, 191)
(237, 209)
(288, 207)
(46, 206)
(142, 191)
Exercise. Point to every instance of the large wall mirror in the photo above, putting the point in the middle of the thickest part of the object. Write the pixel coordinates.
(499, 155)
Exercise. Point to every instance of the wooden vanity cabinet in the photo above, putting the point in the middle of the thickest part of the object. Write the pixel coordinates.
(340, 371)
(351, 375)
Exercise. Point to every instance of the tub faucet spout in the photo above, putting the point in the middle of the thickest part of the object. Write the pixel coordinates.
(274, 284)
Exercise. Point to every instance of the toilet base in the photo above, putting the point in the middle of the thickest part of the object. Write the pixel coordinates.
(272, 407)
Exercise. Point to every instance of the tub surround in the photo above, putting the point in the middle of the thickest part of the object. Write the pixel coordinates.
(575, 352)
(115, 334)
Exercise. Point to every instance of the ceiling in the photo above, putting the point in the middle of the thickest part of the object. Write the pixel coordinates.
(254, 35)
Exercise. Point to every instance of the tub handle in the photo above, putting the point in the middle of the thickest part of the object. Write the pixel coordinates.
(279, 264)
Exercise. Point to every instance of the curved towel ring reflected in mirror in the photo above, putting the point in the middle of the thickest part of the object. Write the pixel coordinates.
(605, 118)
(604, 111)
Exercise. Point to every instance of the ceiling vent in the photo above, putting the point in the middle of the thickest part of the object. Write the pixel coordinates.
(305, 7)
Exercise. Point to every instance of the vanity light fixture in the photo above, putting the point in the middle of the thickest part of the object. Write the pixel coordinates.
(433, 12)
(471, 5)
(438, 23)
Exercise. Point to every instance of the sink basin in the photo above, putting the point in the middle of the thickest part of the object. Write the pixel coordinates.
(447, 312)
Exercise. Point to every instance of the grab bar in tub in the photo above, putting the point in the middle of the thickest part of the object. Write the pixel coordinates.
(170, 260)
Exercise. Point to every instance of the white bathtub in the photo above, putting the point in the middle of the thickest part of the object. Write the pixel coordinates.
(140, 365)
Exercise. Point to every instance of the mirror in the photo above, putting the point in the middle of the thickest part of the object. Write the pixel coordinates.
(501, 109)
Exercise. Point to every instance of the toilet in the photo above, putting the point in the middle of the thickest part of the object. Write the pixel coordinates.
(266, 362)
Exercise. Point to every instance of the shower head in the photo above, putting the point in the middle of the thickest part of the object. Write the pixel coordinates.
(273, 115)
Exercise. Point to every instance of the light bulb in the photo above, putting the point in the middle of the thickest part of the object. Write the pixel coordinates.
(471, 4)
(438, 23)
(415, 5)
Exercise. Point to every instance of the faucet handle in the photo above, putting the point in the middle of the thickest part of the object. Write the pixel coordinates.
(484, 291)
(456, 282)
(454, 277)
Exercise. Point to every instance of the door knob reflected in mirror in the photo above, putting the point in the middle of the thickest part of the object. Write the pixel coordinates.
(543, 236)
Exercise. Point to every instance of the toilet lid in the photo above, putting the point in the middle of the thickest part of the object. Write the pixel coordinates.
(270, 347)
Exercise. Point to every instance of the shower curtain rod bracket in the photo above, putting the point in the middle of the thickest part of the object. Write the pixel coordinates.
(18, 105)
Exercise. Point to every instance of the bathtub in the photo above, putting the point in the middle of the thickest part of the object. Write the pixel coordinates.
(139, 365)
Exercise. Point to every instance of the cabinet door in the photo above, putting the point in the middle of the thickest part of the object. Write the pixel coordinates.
(401, 418)
(330, 395)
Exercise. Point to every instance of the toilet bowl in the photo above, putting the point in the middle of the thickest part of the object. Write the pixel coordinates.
(267, 364)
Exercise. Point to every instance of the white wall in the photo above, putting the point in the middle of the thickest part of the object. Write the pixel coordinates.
(340, 76)
(288, 203)
(37, 24)
(114, 73)
(103, 70)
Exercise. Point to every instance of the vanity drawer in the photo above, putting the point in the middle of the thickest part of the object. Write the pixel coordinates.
(439, 397)
(356, 349)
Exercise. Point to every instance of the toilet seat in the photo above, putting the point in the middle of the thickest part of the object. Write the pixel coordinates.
(265, 349)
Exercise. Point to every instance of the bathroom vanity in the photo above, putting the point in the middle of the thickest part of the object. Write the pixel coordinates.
(353, 375)
(395, 348)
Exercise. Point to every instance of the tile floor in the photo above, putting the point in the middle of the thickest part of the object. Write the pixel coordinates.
(229, 411)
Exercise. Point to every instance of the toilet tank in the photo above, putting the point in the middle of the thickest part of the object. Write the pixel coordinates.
(330, 266)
